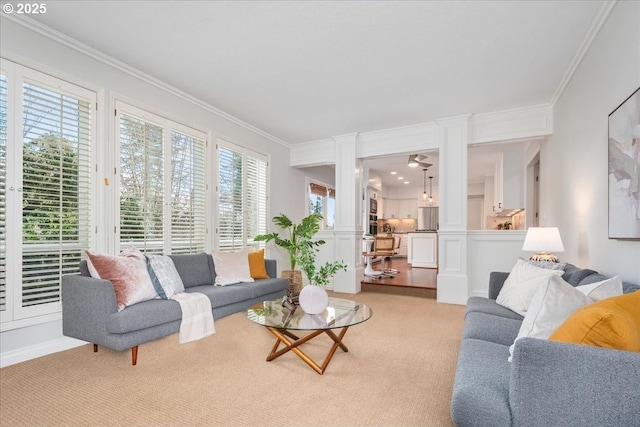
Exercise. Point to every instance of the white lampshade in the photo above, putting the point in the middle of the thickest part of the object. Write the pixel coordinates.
(543, 240)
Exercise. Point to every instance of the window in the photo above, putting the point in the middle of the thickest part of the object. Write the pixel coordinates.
(162, 184)
(45, 188)
(242, 197)
(322, 200)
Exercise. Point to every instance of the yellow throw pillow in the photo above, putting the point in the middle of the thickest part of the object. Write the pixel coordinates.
(611, 323)
(257, 266)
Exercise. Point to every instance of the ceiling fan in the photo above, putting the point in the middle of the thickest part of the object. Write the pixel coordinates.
(416, 160)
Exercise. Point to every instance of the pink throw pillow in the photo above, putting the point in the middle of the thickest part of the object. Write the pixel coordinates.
(128, 273)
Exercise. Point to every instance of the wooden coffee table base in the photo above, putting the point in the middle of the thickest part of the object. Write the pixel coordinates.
(281, 337)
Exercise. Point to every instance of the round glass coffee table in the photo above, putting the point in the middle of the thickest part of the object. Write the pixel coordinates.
(280, 321)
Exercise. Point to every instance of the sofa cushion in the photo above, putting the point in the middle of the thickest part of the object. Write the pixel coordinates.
(487, 327)
(611, 323)
(164, 276)
(263, 287)
(574, 275)
(128, 274)
(231, 267)
(223, 295)
(481, 385)
(257, 266)
(557, 300)
(194, 269)
(489, 306)
(523, 282)
(144, 315)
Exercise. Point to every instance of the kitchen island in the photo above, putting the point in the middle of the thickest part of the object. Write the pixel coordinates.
(422, 249)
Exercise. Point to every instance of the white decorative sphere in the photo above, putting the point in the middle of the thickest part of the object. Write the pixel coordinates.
(313, 299)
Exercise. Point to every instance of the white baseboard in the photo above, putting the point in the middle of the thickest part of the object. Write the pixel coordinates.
(27, 353)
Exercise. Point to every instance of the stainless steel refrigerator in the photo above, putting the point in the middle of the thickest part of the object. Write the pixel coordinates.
(428, 219)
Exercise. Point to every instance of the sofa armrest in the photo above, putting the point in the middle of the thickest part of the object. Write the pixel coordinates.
(559, 384)
(496, 280)
(87, 303)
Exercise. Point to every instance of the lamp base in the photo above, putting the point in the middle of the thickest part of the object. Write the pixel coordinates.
(544, 256)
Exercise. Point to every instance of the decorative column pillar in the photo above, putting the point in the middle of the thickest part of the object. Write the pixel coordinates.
(453, 137)
(348, 225)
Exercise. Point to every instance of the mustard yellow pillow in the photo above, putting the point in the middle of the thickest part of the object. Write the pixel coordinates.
(256, 265)
(611, 323)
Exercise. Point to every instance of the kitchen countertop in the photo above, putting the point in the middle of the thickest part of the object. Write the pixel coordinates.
(406, 232)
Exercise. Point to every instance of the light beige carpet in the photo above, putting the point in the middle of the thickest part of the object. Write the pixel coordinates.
(398, 372)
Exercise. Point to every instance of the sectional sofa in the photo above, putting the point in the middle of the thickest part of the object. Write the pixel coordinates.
(90, 311)
(547, 383)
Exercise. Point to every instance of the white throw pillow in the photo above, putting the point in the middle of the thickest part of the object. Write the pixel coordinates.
(551, 305)
(232, 267)
(523, 282)
(164, 276)
(555, 301)
(602, 290)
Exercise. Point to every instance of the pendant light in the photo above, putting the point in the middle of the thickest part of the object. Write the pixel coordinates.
(430, 194)
(424, 192)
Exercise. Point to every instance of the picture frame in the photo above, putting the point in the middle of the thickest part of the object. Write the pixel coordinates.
(624, 169)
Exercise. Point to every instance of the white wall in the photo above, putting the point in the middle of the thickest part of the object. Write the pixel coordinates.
(574, 184)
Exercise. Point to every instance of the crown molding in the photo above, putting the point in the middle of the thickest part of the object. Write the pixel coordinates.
(596, 25)
(84, 49)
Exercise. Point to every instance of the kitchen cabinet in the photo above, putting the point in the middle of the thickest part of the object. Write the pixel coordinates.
(390, 208)
(399, 208)
(404, 244)
(408, 208)
(422, 250)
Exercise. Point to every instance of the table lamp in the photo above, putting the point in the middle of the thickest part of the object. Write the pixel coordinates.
(543, 241)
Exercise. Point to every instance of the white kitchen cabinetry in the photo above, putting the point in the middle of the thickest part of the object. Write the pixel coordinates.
(422, 250)
(403, 244)
(390, 208)
(399, 208)
(408, 208)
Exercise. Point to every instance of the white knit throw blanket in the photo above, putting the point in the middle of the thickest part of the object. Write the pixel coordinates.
(197, 318)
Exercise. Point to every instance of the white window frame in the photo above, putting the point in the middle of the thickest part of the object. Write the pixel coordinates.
(245, 152)
(308, 181)
(15, 316)
(168, 125)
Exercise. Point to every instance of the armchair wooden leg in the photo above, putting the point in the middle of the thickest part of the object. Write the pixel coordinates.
(95, 348)
(134, 355)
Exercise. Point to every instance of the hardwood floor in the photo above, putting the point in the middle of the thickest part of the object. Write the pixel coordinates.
(408, 280)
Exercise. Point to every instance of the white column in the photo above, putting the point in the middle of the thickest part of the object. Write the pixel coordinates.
(348, 226)
(453, 137)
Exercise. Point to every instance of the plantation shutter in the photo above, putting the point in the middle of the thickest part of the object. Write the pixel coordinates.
(230, 200)
(256, 200)
(188, 193)
(242, 198)
(56, 177)
(3, 196)
(141, 184)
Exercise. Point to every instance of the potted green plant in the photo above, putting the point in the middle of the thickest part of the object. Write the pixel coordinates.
(297, 238)
(313, 298)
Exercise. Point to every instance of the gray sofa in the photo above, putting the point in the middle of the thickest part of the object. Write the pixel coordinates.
(547, 383)
(90, 312)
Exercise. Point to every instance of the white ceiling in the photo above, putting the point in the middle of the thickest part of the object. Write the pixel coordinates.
(309, 70)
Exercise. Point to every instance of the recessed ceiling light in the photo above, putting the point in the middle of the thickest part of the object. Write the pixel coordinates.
(406, 182)
(401, 177)
(393, 172)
